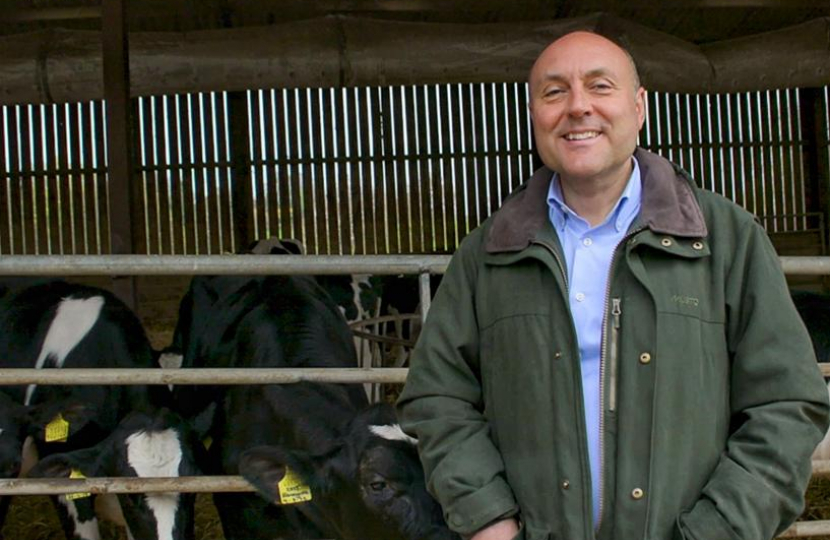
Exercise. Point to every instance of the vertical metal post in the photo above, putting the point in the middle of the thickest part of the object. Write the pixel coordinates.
(123, 188)
(425, 294)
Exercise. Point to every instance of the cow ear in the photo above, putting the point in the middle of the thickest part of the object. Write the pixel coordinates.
(73, 415)
(88, 461)
(264, 468)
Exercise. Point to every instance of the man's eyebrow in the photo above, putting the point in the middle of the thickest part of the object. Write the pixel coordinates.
(592, 74)
(600, 72)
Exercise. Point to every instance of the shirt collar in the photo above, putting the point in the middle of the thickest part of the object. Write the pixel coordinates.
(623, 212)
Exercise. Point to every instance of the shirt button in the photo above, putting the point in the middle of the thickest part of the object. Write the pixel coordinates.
(566, 484)
(579, 297)
(637, 494)
(666, 242)
(645, 358)
(587, 242)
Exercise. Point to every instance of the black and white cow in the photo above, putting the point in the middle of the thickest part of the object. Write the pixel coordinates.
(286, 321)
(365, 483)
(148, 445)
(61, 325)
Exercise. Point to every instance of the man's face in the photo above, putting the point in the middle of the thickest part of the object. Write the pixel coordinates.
(585, 108)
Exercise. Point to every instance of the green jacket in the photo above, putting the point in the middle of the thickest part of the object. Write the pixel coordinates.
(712, 399)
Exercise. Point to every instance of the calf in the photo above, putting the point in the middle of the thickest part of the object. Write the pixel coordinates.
(365, 483)
(157, 445)
(281, 321)
(55, 325)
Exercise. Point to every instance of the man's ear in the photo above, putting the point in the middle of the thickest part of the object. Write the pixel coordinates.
(640, 104)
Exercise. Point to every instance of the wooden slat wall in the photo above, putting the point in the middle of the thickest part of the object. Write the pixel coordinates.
(385, 170)
(183, 154)
(54, 196)
(361, 170)
(746, 146)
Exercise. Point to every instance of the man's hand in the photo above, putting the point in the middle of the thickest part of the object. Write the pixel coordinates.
(506, 529)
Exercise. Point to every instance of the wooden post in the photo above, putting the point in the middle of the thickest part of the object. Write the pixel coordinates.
(243, 198)
(123, 188)
(815, 153)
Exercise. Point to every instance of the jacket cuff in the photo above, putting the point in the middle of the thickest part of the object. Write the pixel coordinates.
(704, 522)
(473, 512)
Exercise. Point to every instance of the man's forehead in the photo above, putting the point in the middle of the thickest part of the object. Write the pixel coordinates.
(584, 52)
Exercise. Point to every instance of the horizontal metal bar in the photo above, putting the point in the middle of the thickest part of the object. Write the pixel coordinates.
(212, 376)
(184, 484)
(166, 265)
(169, 265)
(806, 528)
(805, 266)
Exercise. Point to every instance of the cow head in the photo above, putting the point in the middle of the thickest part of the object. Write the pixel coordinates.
(143, 445)
(367, 484)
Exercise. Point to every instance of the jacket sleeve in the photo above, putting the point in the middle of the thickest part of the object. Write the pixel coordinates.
(779, 406)
(441, 405)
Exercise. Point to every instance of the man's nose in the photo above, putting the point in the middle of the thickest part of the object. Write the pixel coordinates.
(579, 102)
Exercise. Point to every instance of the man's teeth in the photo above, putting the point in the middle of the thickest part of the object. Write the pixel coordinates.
(582, 136)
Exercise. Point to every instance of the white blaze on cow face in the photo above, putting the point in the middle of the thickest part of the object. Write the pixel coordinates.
(73, 320)
(157, 455)
(393, 432)
(86, 530)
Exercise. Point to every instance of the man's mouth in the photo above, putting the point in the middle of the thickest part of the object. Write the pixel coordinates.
(581, 136)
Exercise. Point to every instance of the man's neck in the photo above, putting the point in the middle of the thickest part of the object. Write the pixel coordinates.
(593, 198)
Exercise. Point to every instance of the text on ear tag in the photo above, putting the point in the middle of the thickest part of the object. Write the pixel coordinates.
(72, 496)
(292, 489)
(57, 430)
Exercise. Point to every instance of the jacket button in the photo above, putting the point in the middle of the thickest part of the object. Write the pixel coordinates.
(566, 484)
(697, 245)
(645, 358)
(557, 355)
(637, 494)
(666, 242)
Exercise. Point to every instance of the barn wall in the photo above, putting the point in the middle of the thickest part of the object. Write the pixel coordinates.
(373, 170)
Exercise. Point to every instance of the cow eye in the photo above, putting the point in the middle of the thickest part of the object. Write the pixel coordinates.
(378, 486)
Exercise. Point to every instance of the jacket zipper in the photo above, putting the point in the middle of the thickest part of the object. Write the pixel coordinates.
(616, 311)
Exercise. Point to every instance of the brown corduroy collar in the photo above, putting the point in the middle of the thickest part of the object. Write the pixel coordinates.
(668, 206)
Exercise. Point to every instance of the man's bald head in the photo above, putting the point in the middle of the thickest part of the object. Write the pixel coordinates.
(635, 75)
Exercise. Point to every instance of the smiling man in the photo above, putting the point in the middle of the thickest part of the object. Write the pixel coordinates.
(614, 353)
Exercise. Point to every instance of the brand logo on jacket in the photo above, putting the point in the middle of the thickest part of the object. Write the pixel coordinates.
(689, 301)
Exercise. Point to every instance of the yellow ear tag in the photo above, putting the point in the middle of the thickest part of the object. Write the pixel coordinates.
(57, 430)
(207, 442)
(292, 489)
(72, 496)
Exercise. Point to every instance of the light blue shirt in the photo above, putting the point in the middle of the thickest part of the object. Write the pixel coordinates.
(588, 253)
